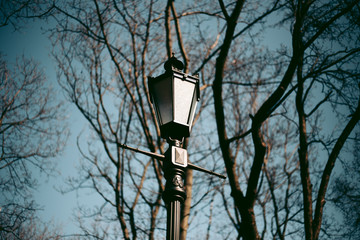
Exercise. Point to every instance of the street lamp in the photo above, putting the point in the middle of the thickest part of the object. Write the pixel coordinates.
(174, 96)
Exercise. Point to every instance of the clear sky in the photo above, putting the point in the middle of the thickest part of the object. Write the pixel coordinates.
(32, 43)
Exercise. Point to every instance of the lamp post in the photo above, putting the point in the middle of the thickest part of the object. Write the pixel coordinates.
(174, 95)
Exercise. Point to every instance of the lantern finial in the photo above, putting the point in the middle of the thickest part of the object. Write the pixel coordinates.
(173, 62)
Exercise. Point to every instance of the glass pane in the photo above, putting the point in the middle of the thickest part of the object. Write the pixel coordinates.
(162, 92)
(184, 92)
(192, 113)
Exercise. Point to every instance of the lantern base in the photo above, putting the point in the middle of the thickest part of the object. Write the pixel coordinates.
(174, 130)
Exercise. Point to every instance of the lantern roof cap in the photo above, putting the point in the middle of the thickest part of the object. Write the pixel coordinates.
(173, 62)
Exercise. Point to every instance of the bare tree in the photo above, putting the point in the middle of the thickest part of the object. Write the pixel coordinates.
(107, 84)
(346, 196)
(31, 133)
(33, 229)
(106, 51)
(311, 63)
(15, 12)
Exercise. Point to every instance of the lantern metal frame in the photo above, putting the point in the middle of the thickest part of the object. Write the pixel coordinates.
(174, 125)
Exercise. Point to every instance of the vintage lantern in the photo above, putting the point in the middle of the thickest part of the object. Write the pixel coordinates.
(174, 95)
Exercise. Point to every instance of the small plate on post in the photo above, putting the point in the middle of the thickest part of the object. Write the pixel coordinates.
(179, 156)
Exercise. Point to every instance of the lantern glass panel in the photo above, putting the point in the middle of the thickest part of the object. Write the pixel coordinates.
(184, 91)
(193, 108)
(162, 94)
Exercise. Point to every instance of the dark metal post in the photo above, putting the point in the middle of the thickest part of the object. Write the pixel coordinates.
(174, 194)
(175, 162)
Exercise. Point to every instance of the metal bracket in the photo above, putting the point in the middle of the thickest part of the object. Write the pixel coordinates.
(179, 161)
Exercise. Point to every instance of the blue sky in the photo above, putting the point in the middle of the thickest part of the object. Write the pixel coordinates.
(31, 42)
